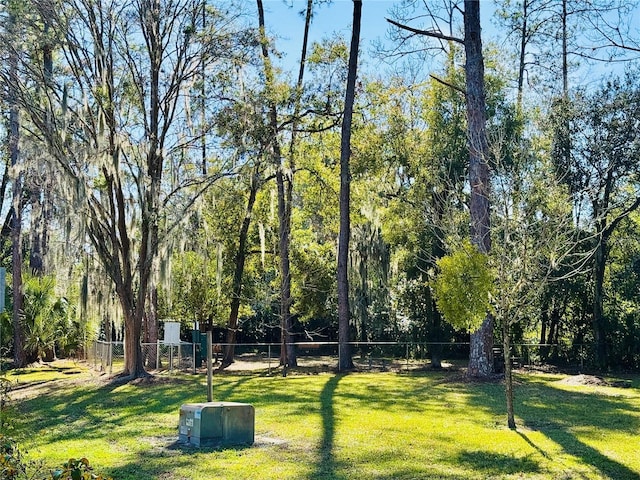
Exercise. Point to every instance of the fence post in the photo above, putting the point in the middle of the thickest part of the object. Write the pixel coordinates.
(193, 356)
(269, 359)
(110, 357)
(158, 354)
(209, 366)
(407, 356)
(171, 358)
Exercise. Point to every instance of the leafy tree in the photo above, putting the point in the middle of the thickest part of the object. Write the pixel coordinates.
(533, 237)
(416, 155)
(621, 303)
(480, 359)
(114, 124)
(548, 34)
(602, 174)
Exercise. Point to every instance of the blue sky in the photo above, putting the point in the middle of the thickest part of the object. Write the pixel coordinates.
(287, 23)
(283, 20)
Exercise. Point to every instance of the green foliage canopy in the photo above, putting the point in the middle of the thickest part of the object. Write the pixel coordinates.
(464, 286)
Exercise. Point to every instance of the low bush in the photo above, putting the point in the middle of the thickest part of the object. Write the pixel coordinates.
(14, 467)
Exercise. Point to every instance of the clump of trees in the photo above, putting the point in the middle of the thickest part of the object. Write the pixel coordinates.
(160, 162)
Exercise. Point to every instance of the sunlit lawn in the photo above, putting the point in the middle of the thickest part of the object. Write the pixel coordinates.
(360, 426)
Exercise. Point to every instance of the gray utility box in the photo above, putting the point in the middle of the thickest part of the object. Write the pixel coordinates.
(216, 424)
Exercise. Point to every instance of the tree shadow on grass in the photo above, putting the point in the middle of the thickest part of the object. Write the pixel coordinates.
(608, 467)
(169, 457)
(92, 411)
(492, 464)
(327, 466)
(167, 460)
(559, 414)
(418, 389)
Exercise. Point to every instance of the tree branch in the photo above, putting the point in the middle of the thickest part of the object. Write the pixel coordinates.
(447, 84)
(428, 33)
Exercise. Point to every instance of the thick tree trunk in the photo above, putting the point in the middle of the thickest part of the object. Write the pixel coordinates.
(481, 355)
(287, 352)
(19, 354)
(481, 350)
(236, 288)
(133, 360)
(344, 351)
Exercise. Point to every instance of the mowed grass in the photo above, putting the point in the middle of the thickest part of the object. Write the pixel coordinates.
(428, 425)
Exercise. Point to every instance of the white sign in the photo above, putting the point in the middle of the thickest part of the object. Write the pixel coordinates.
(172, 333)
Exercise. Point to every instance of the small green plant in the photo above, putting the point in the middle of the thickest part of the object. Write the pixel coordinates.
(76, 469)
(14, 467)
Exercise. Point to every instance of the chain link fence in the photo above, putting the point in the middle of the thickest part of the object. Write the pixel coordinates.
(321, 356)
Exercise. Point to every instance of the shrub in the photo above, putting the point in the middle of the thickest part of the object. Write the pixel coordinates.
(14, 467)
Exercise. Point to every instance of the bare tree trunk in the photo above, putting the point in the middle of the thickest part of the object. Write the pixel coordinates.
(5, 228)
(36, 261)
(236, 288)
(39, 192)
(284, 181)
(544, 322)
(481, 354)
(508, 373)
(285, 233)
(283, 226)
(150, 327)
(565, 53)
(19, 355)
(203, 93)
(522, 54)
(346, 362)
(287, 353)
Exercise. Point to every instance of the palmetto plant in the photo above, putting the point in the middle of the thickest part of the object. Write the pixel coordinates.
(42, 315)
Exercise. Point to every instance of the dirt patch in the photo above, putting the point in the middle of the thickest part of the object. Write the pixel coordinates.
(148, 380)
(593, 380)
(460, 375)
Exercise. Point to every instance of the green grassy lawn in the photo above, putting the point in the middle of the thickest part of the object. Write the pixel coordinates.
(428, 425)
